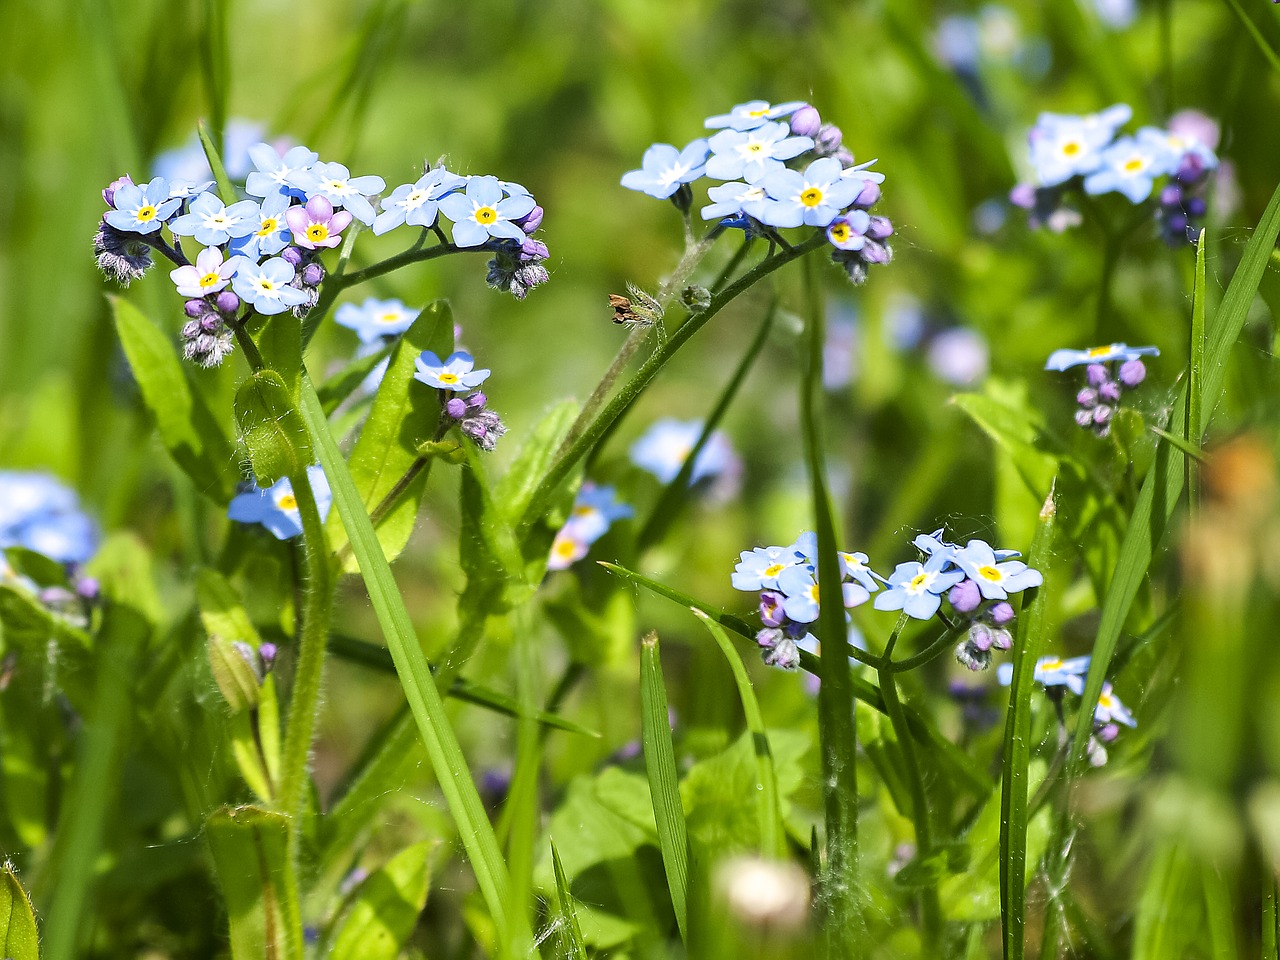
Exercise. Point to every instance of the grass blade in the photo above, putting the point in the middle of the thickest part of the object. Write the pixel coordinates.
(571, 938)
(664, 786)
(772, 839)
(1017, 747)
(1195, 377)
(1268, 51)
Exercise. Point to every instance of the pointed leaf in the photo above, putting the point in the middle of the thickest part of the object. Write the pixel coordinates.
(19, 939)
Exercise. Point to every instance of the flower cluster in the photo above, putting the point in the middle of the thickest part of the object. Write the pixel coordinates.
(38, 513)
(470, 413)
(264, 251)
(1109, 371)
(1084, 152)
(761, 192)
(276, 507)
(595, 509)
(1056, 674)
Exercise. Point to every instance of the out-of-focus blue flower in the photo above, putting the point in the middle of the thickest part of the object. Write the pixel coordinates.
(142, 208)
(664, 168)
(189, 163)
(417, 203)
(456, 373)
(995, 580)
(1110, 709)
(212, 222)
(1131, 164)
(1065, 359)
(665, 446)
(265, 286)
(334, 182)
(760, 568)
(751, 154)
(276, 507)
(375, 319)
(752, 114)
(38, 513)
(595, 509)
(1065, 146)
(959, 356)
(1052, 672)
(274, 172)
(272, 232)
(1116, 14)
(841, 347)
(481, 212)
(916, 588)
(208, 275)
(814, 197)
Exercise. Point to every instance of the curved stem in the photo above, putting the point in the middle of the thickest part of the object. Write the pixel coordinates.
(929, 653)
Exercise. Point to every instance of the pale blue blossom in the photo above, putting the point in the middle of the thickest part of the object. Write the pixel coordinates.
(751, 154)
(265, 286)
(665, 446)
(664, 169)
(334, 182)
(212, 222)
(752, 114)
(995, 580)
(274, 173)
(1065, 359)
(417, 203)
(760, 568)
(142, 208)
(271, 234)
(1130, 165)
(482, 212)
(276, 507)
(1065, 146)
(1052, 672)
(375, 319)
(456, 373)
(916, 588)
(814, 197)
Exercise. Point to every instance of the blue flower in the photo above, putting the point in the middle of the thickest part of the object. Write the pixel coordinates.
(751, 154)
(665, 446)
(265, 286)
(274, 172)
(1052, 672)
(849, 232)
(916, 588)
(208, 275)
(334, 182)
(799, 586)
(417, 203)
(664, 169)
(854, 565)
(456, 373)
(567, 548)
(212, 222)
(272, 232)
(734, 198)
(481, 212)
(752, 114)
(1065, 146)
(276, 508)
(1065, 359)
(142, 209)
(1131, 164)
(815, 197)
(995, 580)
(760, 568)
(595, 509)
(38, 513)
(1110, 709)
(375, 319)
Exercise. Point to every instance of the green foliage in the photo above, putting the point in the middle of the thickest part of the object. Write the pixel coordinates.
(19, 938)
(386, 908)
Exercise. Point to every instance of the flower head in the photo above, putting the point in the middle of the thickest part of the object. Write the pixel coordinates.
(334, 182)
(141, 209)
(735, 198)
(751, 154)
(995, 580)
(209, 275)
(39, 513)
(664, 169)
(274, 171)
(1066, 359)
(760, 568)
(595, 509)
(483, 211)
(265, 286)
(212, 222)
(271, 234)
(917, 588)
(1111, 710)
(752, 114)
(1131, 164)
(316, 226)
(276, 507)
(1065, 146)
(1052, 672)
(456, 373)
(814, 197)
(375, 319)
(417, 203)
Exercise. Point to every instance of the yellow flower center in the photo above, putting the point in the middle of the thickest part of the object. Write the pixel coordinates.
(583, 511)
(1098, 351)
(389, 317)
(762, 111)
(754, 146)
(990, 573)
(317, 232)
(564, 547)
(448, 378)
(919, 582)
(811, 197)
(1071, 148)
(416, 199)
(773, 569)
(1054, 664)
(265, 285)
(840, 232)
(1106, 701)
(287, 501)
(269, 226)
(210, 279)
(486, 215)
(1134, 165)
(146, 213)
(337, 186)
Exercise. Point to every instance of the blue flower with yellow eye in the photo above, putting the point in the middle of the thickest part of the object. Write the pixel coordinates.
(375, 319)
(276, 507)
(814, 197)
(1066, 359)
(751, 154)
(274, 171)
(752, 114)
(334, 182)
(212, 222)
(266, 286)
(483, 211)
(456, 373)
(917, 588)
(664, 168)
(142, 208)
(417, 203)
(272, 232)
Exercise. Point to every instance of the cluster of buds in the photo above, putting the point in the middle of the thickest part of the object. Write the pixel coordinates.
(206, 339)
(308, 274)
(988, 625)
(517, 265)
(1182, 202)
(475, 420)
(1109, 371)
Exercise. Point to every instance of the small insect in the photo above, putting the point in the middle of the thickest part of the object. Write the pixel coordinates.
(637, 310)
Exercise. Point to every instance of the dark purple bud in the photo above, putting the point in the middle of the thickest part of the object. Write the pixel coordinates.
(1001, 613)
(1133, 372)
(806, 122)
(195, 309)
(1087, 398)
(1176, 224)
(1102, 415)
(210, 323)
(1171, 195)
(267, 653)
(533, 249)
(477, 430)
(531, 221)
(869, 195)
(1109, 391)
(1084, 418)
(771, 614)
(475, 402)
(1097, 374)
(312, 274)
(965, 596)
(1023, 195)
(879, 228)
(981, 637)
(829, 139)
(109, 194)
(455, 408)
(1191, 168)
(88, 588)
(291, 256)
(227, 303)
(1001, 639)
(1195, 206)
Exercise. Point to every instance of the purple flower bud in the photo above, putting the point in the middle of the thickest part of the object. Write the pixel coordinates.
(829, 139)
(1195, 206)
(1171, 195)
(845, 156)
(533, 249)
(455, 408)
(879, 228)
(227, 303)
(1108, 733)
(1023, 195)
(1001, 639)
(1097, 374)
(785, 655)
(964, 596)
(1109, 391)
(1001, 613)
(1176, 224)
(531, 220)
(981, 637)
(195, 309)
(292, 256)
(771, 614)
(875, 252)
(806, 122)
(869, 195)
(1190, 168)
(475, 402)
(88, 588)
(312, 274)
(1084, 418)
(768, 638)
(267, 653)
(190, 329)
(1133, 372)
(1087, 397)
(210, 323)
(1102, 414)
(109, 194)
(972, 657)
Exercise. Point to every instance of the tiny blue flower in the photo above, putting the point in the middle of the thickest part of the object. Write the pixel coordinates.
(481, 212)
(754, 113)
(733, 198)
(665, 446)
(664, 168)
(38, 513)
(1131, 164)
(375, 319)
(751, 154)
(995, 580)
(456, 373)
(916, 588)
(276, 507)
(595, 510)
(759, 569)
(213, 223)
(854, 565)
(1110, 709)
(1065, 146)
(416, 203)
(849, 232)
(334, 182)
(185, 189)
(1051, 672)
(1066, 359)
(272, 232)
(265, 286)
(815, 197)
(800, 589)
(274, 172)
(142, 209)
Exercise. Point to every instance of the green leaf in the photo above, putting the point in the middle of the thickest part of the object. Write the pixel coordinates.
(346, 381)
(569, 931)
(537, 451)
(271, 430)
(187, 428)
(1005, 414)
(249, 847)
(215, 67)
(19, 939)
(660, 765)
(386, 908)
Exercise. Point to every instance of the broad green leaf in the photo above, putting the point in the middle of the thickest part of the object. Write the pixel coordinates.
(1006, 415)
(187, 428)
(386, 908)
(271, 431)
(660, 765)
(404, 414)
(19, 939)
(280, 343)
(249, 852)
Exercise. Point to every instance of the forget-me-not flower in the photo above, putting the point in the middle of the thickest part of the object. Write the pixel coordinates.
(799, 586)
(417, 203)
(334, 182)
(1052, 672)
(209, 274)
(916, 588)
(212, 222)
(752, 114)
(274, 172)
(265, 286)
(276, 507)
(317, 225)
(1066, 359)
(456, 373)
(272, 232)
(142, 208)
(39, 513)
(1110, 709)
(665, 446)
(751, 154)
(595, 510)
(375, 319)
(1131, 164)
(995, 580)
(734, 198)
(814, 197)
(482, 211)
(760, 568)
(664, 169)
(1065, 146)
(849, 232)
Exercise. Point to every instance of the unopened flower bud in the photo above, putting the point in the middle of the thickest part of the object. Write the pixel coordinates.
(1087, 398)
(1001, 639)
(1171, 195)
(874, 252)
(88, 588)
(531, 221)
(971, 657)
(267, 653)
(1084, 418)
(455, 408)
(1195, 206)
(312, 274)
(190, 329)
(227, 303)
(475, 402)
(695, 298)
(1109, 391)
(1102, 414)
(109, 194)
(1133, 372)
(879, 228)
(1108, 733)
(1023, 195)
(1097, 374)
(532, 250)
(784, 655)
(291, 256)
(1190, 168)
(195, 309)
(868, 196)
(828, 140)
(981, 637)
(965, 596)
(806, 122)
(768, 638)
(210, 323)
(1001, 613)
